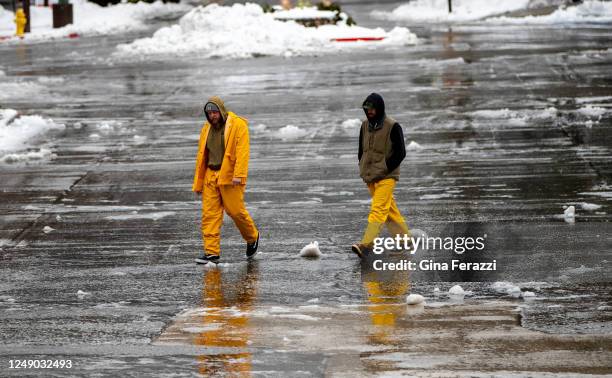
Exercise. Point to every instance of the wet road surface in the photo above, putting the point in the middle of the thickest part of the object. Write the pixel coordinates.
(505, 146)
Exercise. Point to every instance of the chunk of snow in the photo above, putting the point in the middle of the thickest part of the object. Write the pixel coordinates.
(290, 132)
(413, 146)
(589, 206)
(570, 212)
(19, 133)
(82, 293)
(353, 123)
(414, 299)
(48, 229)
(456, 290)
(528, 294)
(311, 250)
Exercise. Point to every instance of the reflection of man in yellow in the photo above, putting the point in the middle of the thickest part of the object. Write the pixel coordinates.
(381, 150)
(387, 299)
(226, 321)
(220, 177)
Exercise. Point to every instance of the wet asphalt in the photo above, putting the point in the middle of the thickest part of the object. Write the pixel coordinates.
(126, 225)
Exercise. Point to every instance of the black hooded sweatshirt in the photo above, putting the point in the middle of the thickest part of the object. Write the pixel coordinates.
(397, 136)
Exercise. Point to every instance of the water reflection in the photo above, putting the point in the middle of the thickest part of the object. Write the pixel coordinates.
(226, 323)
(386, 292)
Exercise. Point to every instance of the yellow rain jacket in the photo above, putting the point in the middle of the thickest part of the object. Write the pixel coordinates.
(236, 158)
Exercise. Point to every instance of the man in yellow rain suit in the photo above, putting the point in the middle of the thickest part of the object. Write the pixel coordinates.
(220, 177)
(381, 150)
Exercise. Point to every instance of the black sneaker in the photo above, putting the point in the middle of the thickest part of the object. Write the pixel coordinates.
(205, 259)
(252, 248)
(360, 250)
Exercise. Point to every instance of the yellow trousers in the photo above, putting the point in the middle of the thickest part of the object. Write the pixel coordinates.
(383, 211)
(217, 198)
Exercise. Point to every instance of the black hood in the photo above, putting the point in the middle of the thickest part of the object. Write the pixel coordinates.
(379, 104)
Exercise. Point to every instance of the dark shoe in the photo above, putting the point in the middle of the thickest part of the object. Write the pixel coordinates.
(205, 259)
(360, 250)
(252, 248)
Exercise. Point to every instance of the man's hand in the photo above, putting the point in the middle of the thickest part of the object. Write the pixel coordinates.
(236, 181)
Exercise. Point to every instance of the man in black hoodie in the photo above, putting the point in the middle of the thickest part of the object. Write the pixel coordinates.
(381, 150)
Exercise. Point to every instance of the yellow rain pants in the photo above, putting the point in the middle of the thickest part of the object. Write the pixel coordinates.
(217, 198)
(384, 211)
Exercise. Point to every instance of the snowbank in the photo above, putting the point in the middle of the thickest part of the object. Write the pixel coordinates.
(590, 11)
(17, 134)
(245, 31)
(472, 10)
(91, 19)
(463, 10)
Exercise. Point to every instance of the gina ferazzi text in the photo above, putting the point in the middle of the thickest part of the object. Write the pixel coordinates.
(430, 265)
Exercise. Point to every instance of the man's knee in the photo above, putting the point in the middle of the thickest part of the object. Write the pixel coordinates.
(236, 212)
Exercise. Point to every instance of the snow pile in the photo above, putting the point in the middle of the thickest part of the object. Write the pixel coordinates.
(245, 31)
(311, 250)
(463, 10)
(589, 11)
(92, 19)
(17, 134)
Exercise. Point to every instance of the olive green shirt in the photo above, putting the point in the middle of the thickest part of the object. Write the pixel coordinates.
(215, 144)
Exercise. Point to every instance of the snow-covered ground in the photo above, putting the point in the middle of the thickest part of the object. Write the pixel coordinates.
(472, 10)
(91, 19)
(437, 10)
(587, 12)
(245, 31)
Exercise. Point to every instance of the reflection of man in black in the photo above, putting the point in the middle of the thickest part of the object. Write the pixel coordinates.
(226, 321)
